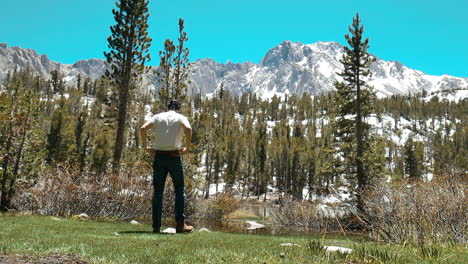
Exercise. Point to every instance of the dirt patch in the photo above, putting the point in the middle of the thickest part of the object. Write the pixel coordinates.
(33, 259)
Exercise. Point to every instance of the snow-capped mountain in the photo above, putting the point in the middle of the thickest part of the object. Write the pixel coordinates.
(297, 68)
(290, 67)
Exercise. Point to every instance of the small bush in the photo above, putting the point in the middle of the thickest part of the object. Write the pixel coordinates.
(419, 213)
(127, 195)
(429, 252)
(316, 248)
(309, 216)
(374, 255)
(221, 205)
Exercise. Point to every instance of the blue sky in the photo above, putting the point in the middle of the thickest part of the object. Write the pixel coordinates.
(427, 35)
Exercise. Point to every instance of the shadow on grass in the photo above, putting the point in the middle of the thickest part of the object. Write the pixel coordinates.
(142, 232)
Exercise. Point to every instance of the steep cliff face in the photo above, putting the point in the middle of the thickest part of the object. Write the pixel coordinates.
(290, 67)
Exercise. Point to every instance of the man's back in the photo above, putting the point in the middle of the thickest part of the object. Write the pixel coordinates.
(168, 128)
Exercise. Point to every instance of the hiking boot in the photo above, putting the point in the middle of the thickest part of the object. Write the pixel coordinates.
(181, 227)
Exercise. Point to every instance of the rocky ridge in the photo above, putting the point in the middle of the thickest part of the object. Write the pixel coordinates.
(290, 67)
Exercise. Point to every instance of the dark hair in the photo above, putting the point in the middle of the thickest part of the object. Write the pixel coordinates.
(173, 105)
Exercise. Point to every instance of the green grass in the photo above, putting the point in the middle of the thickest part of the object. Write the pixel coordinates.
(114, 242)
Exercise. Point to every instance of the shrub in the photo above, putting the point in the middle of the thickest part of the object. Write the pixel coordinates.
(316, 248)
(62, 191)
(310, 216)
(421, 213)
(374, 255)
(429, 252)
(221, 205)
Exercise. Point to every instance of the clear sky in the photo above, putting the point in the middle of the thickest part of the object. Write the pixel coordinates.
(427, 35)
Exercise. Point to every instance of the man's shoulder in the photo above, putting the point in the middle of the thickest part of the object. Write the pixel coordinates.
(177, 115)
(169, 114)
(157, 117)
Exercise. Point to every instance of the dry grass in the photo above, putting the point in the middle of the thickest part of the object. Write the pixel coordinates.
(242, 214)
(126, 195)
(434, 212)
(310, 217)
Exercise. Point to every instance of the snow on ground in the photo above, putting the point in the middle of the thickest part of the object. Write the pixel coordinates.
(212, 188)
(58, 96)
(69, 78)
(452, 96)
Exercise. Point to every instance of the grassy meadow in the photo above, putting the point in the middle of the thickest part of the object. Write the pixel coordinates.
(118, 242)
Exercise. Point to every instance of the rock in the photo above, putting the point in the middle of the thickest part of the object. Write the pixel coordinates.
(282, 255)
(55, 218)
(169, 231)
(83, 216)
(133, 222)
(331, 249)
(254, 225)
(117, 234)
(290, 245)
(204, 229)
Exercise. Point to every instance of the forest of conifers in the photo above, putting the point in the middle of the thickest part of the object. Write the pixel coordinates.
(285, 142)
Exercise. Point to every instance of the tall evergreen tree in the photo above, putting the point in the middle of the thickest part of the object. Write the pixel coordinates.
(354, 100)
(181, 65)
(411, 167)
(173, 71)
(164, 74)
(55, 135)
(128, 44)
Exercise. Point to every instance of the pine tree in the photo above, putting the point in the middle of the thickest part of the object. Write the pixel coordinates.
(18, 104)
(410, 161)
(164, 74)
(173, 71)
(181, 66)
(354, 104)
(128, 44)
(78, 82)
(58, 85)
(55, 137)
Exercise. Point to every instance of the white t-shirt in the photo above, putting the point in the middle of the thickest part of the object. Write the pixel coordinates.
(168, 130)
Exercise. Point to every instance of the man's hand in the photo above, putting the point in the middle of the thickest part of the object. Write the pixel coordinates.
(183, 151)
(151, 151)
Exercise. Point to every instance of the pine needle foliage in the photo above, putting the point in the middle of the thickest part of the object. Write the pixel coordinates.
(353, 104)
(129, 45)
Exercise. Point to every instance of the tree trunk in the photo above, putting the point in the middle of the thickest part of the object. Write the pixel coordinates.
(361, 177)
(4, 179)
(121, 120)
(18, 159)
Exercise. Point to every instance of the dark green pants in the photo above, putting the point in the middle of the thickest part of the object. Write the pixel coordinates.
(162, 165)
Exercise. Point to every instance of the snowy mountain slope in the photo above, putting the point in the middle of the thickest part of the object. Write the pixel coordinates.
(297, 68)
(290, 67)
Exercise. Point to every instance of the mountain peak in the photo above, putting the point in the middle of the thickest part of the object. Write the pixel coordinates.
(287, 51)
(290, 66)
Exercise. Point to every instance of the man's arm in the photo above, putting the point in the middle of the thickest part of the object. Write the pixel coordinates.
(188, 139)
(144, 137)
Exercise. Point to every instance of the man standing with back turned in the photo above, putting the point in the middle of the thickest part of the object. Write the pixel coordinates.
(169, 128)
